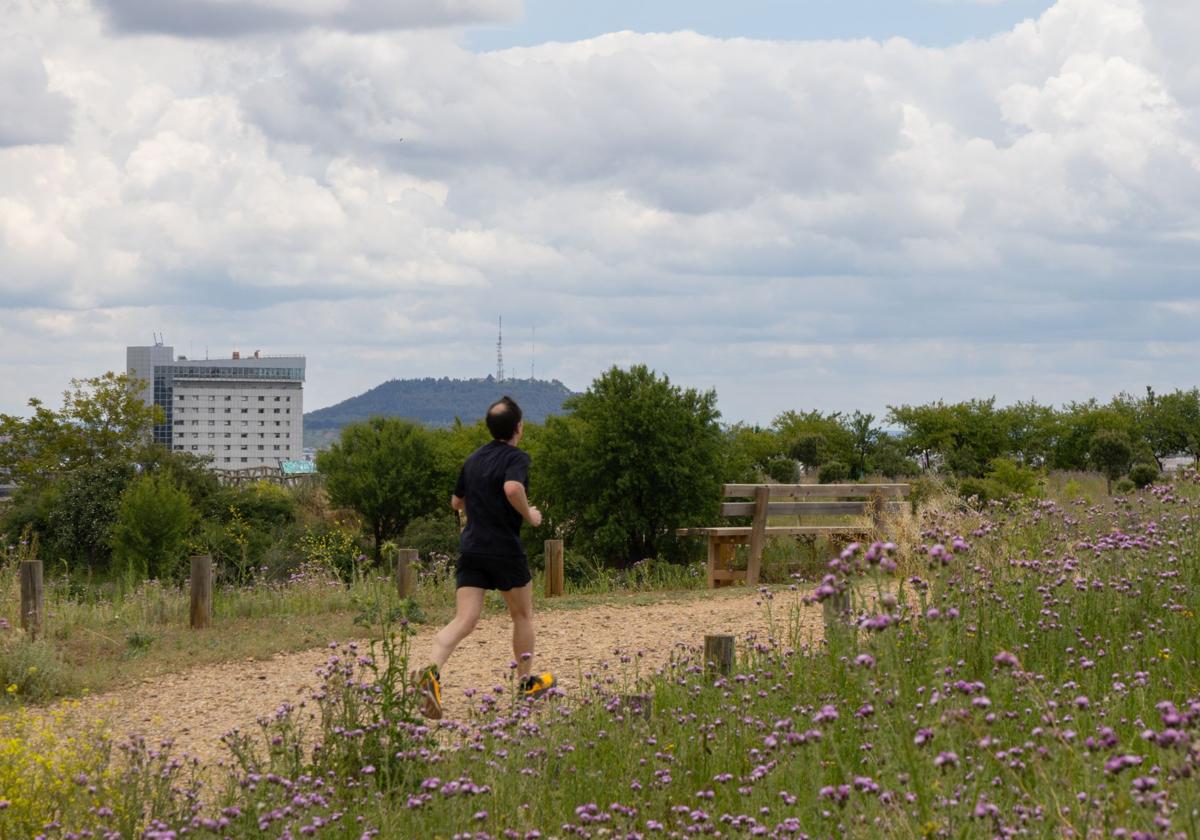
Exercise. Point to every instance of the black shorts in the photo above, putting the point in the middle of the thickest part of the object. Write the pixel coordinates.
(486, 571)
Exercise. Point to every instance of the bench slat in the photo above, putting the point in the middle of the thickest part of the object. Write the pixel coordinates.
(773, 530)
(820, 491)
(799, 508)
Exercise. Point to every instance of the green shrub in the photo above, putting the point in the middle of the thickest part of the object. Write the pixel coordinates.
(1143, 475)
(433, 534)
(833, 472)
(782, 469)
(982, 490)
(154, 522)
(1124, 486)
(1012, 479)
(33, 672)
(334, 549)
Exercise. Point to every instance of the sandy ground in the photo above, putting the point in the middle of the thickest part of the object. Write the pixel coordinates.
(196, 707)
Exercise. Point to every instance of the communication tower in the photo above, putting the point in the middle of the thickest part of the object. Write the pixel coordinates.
(500, 351)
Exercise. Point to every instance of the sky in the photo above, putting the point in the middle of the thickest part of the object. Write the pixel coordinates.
(830, 205)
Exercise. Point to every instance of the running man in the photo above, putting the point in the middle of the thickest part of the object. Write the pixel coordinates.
(491, 490)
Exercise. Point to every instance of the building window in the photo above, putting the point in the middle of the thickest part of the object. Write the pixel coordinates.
(260, 447)
(244, 460)
(245, 411)
(178, 446)
(277, 411)
(260, 399)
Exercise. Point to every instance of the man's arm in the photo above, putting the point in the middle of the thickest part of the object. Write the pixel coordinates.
(515, 491)
(458, 503)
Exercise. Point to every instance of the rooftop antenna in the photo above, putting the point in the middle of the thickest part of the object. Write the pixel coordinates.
(500, 351)
(532, 351)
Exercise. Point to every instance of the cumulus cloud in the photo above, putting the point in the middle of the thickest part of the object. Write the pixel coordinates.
(858, 221)
(220, 18)
(30, 112)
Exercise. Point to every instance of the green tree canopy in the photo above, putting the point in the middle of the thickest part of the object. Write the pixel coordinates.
(154, 521)
(102, 418)
(637, 458)
(1111, 453)
(386, 470)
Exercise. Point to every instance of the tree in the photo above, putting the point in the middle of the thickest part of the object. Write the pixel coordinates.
(751, 452)
(637, 458)
(385, 469)
(102, 418)
(810, 449)
(84, 510)
(1111, 452)
(154, 521)
(865, 437)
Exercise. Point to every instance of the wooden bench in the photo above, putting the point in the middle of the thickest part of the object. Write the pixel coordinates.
(805, 501)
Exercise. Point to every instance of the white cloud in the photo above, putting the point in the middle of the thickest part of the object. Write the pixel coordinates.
(221, 18)
(852, 218)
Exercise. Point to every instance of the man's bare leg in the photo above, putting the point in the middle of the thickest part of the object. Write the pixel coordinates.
(468, 605)
(520, 607)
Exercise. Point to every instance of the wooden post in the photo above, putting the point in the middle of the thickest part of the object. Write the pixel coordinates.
(202, 585)
(33, 603)
(876, 505)
(718, 653)
(836, 610)
(758, 534)
(554, 568)
(406, 559)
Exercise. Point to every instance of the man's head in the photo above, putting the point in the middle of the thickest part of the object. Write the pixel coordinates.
(504, 419)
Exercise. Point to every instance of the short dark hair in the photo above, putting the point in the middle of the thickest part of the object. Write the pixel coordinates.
(503, 417)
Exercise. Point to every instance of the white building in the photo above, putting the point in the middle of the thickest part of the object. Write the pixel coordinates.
(241, 411)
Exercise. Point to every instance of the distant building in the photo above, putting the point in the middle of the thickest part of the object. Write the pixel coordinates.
(241, 411)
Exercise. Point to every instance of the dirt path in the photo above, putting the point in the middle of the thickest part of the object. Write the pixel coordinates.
(196, 707)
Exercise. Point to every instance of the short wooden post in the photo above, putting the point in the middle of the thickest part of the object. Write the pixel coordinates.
(406, 561)
(554, 568)
(33, 603)
(718, 654)
(202, 586)
(836, 610)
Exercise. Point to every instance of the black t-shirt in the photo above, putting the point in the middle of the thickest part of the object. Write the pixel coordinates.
(493, 525)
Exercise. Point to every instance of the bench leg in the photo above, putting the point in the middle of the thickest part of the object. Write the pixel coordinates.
(713, 555)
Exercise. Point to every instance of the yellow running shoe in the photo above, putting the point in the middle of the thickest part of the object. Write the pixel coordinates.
(429, 684)
(535, 685)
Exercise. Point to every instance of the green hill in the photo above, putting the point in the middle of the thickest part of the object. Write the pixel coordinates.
(435, 402)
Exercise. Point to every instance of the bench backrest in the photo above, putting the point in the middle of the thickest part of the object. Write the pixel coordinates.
(767, 500)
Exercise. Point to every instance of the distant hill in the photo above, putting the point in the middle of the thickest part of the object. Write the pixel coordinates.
(436, 402)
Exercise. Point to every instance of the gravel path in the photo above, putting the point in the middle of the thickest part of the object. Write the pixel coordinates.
(197, 706)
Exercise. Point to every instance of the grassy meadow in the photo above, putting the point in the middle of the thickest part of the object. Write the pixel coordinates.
(1030, 669)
